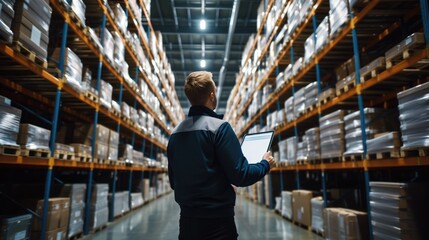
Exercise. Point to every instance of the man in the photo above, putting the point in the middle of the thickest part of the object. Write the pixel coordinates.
(204, 161)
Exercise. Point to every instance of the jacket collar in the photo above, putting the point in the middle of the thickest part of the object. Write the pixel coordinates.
(202, 110)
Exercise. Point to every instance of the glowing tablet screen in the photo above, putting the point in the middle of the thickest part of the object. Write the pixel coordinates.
(255, 145)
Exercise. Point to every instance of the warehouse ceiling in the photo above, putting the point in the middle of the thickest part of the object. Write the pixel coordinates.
(186, 44)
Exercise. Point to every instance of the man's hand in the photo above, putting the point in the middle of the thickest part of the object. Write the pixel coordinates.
(269, 157)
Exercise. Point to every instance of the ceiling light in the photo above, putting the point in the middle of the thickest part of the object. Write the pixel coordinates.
(203, 63)
(203, 24)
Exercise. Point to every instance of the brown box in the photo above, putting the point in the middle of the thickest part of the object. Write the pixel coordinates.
(58, 213)
(301, 204)
(341, 223)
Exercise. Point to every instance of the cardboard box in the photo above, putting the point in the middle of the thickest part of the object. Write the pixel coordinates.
(56, 234)
(341, 223)
(301, 204)
(9, 124)
(33, 137)
(58, 214)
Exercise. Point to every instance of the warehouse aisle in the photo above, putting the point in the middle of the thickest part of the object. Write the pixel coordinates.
(159, 221)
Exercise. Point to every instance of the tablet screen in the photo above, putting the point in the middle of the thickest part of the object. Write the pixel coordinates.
(255, 145)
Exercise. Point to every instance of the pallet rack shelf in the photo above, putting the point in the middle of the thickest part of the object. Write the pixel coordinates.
(40, 88)
(359, 38)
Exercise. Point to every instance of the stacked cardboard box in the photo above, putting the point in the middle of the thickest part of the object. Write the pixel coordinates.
(83, 135)
(384, 142)
(299, 102)
(346, 224)
(353, 131)
(302, 152)
(10, 118)
(317, 206)
(76, 193)
(33, 137)
(73, 68)
(57, 218)
(310, 48)
(113, 145)
(311, 95)
(312, 137)
(108, 43)
(283, 151)
(413, 41)
(126, 153)
(78, 7)
(31, 25)
(6, 16)
(15, 227)
(301, 203)
(332, 135)
(414, 115)
(286, 208)
(399, 210)
(122, 202)
(99, 206)
(120, 17)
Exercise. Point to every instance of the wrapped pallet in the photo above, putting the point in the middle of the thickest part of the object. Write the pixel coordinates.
(10, 118)
(341, 223)
(286, 206)
(317, 206)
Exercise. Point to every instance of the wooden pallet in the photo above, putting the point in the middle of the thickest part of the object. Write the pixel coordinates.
(346, 88)
(318, 232)
(10, 150)
(353, 157)
(82, 157)
(302, 225)
(91, 96)
(400, 57)
(100, 161)
(372, 74)
(384, 155)
(302, 162)
(415, 152)
(115, 113)
(39, 153)
(309, 109)
(31, 55)
(64, 155)
(332, 159)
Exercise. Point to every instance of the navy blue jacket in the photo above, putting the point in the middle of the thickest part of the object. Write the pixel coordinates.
(204, 159)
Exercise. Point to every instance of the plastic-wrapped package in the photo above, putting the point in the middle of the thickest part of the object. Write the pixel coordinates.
(302, 152)
(288, 73)
(136, 200)
(341, 84)
(136, 10)
(297, 66)
(299, 102)
(95, 36)
(108, 44)
(79, 8)
(119, 50)
(278, 204)
(126, 153)
(6, 16)
(120, 17)
(414, 115)
(338, 16)
(311, 95)
(150, 123)
(142, 120)
(81, 149)
(280, 79)
(10, 118)
(63, 147)
(312, 137)
(310, 49)
(317, 206)
(293, 16)
(125, 109)
(72, 68)
(115, 106)
(138, 157)
(134, 115)
(105, 94)
(101, 151)
(306, 6)
(292, 146)
(33, 137)
(286, 208)
(289, 108)
(332, 134)
(83, 134)
(283, 151)
(322, 33)
(386, 142)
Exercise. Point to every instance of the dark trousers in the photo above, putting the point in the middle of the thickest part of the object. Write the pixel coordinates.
(207, 229)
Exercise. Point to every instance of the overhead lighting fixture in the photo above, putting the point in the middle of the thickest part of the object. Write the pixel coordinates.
(203, 24)
(203, 63)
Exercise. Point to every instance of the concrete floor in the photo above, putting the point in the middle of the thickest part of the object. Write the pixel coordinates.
(160, 220)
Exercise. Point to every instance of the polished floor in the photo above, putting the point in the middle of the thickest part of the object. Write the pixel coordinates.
(159, 220)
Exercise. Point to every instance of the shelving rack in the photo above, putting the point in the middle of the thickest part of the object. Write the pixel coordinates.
(370, 25)
(43, 94)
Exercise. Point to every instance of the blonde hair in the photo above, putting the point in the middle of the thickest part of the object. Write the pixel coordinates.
(198, 86)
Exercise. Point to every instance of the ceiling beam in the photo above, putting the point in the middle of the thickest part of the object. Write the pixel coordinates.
(196, 6)
(168, 30)
(197, 47)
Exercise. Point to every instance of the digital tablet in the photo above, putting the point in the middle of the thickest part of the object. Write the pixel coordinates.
(256, 144)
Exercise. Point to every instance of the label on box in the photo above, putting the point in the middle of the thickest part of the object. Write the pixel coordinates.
(77, 213)
(302, 209)
(36, 35)
(20, 235)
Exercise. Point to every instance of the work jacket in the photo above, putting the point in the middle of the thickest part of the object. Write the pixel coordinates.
(204, 160)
